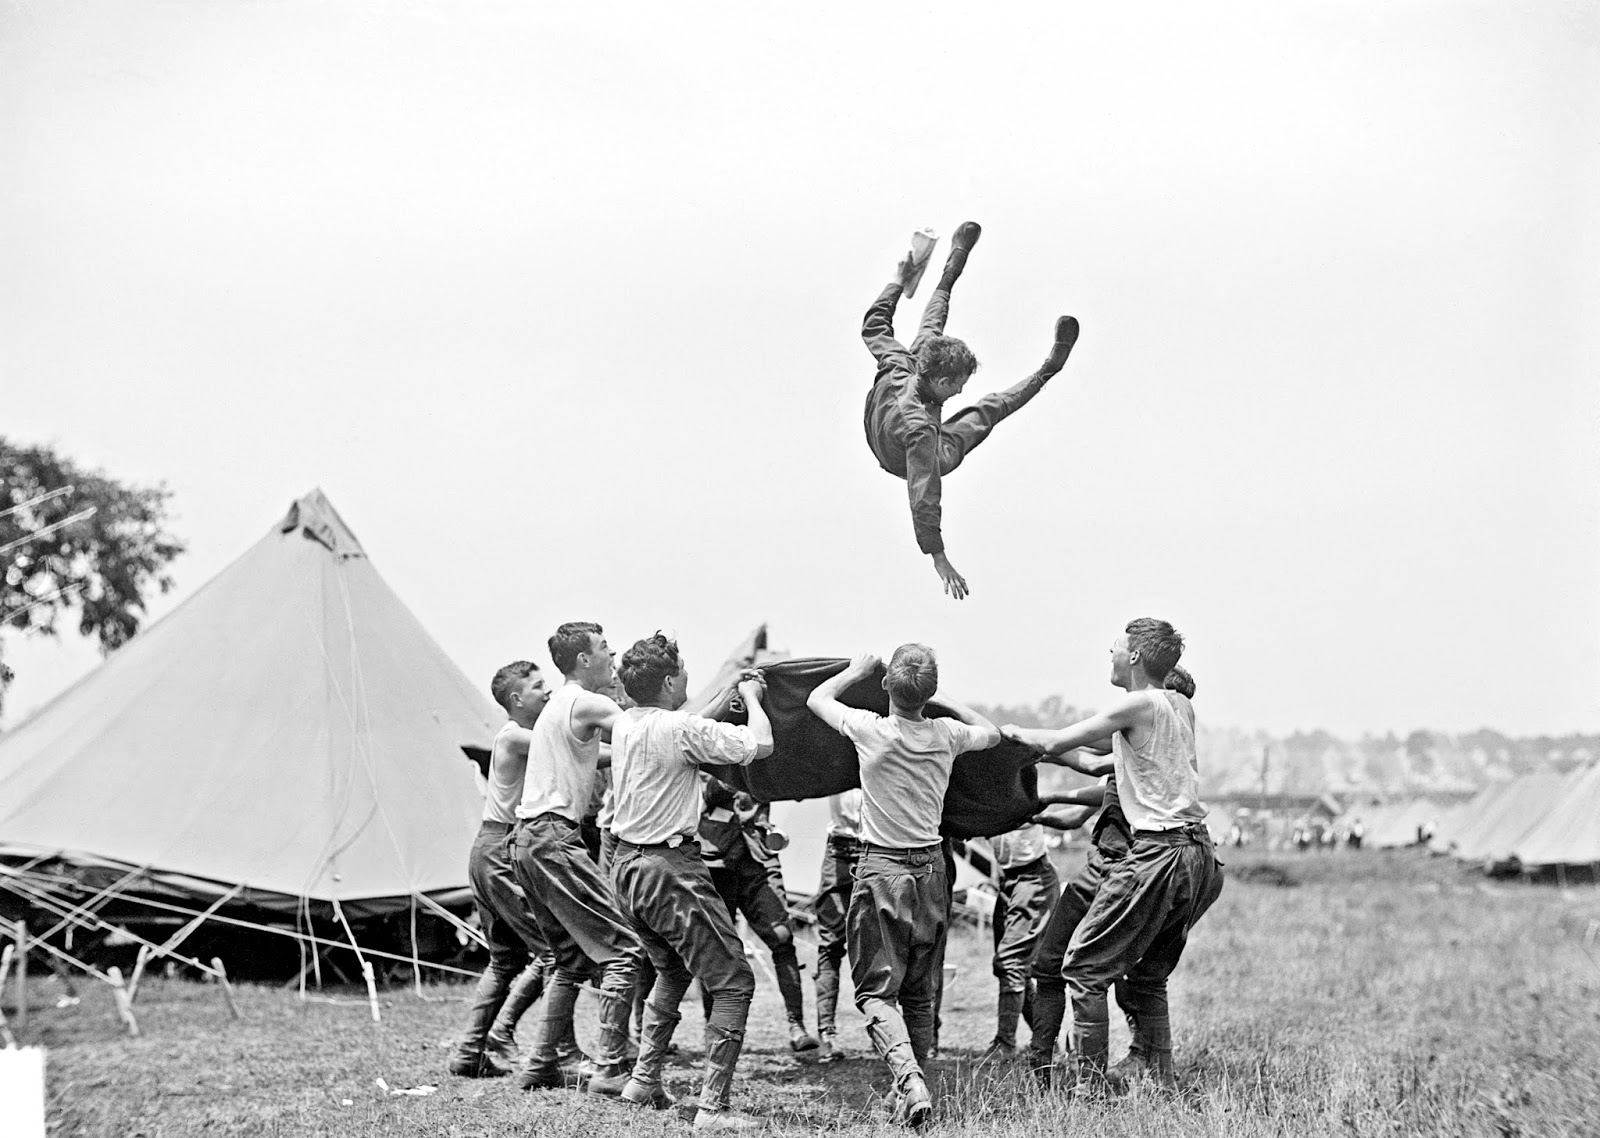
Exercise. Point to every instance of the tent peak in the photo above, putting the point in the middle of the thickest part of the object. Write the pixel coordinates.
(315, 518)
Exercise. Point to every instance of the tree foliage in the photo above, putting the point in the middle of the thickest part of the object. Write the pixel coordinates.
(102, 567)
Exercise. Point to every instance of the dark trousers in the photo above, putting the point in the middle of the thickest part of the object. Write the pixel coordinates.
(960, 434)
(577, 914)
(899, 912)
(1026, 902)
(745, 887)
(518, 957)
(832, 907)
(1135, 931)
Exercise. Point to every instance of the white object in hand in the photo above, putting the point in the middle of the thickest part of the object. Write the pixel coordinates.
(922, 243)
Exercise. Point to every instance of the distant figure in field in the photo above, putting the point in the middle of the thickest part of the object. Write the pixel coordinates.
(900, 905)
(1357, 832)
(1135, 929)
(904, 414)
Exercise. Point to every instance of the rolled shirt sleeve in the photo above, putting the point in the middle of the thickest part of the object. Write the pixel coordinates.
(725, 744)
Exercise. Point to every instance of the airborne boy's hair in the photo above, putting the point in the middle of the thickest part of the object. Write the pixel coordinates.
(509, 677)
(1159, 646)
(647, 665)
(912, 676)
(944, 357)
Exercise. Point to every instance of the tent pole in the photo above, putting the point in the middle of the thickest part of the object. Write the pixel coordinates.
(416, 963)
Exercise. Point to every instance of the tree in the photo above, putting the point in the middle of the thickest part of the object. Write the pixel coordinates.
(73, 539)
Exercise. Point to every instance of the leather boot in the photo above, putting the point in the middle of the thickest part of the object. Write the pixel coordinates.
(472, 1057)
(722, 1055)
(525, 992)
(544, 1069)
(611, 1064)
(961, 243)
(655, 1037)
(1149, 1054)
(1049, 1009)
(1005, 1035)
(1090, 1042)
(913, 1105)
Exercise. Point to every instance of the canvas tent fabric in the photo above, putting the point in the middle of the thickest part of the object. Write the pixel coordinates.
(290, 727)
(1570, 833)
(990, 791)
(1521, 804)
(1463, 820)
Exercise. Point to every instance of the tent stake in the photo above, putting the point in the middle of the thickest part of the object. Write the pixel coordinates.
(372, 990)
(5, 968)
(227, 988)
(22, 974)
(124, 1004)
(139, 963)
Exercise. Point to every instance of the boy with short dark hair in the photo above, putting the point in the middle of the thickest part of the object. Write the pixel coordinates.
(487, 1047)
(899, 906)
(904, 417)
(1134, 929)
(661, 882)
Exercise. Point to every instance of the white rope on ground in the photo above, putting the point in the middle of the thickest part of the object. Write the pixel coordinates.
(276, 930)
(89, 920)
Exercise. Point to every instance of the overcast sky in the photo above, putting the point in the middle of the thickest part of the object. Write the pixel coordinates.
(560, 304)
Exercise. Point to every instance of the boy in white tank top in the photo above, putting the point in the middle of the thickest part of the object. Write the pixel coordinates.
(570, 899)
(1135, 929)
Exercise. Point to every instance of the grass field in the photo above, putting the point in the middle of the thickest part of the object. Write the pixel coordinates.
(1380, 994)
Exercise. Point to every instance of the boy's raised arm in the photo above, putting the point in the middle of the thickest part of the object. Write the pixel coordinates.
(824, 698)
(1125, 713)
(593, 710)
(1067, 819)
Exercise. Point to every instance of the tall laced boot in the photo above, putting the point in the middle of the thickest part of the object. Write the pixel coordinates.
(787, 967)
(611, 1066)
(525, 992)
(913, 1104)
(1149, 1054)
(1004, 1045)
(722, 1055)
(1049, 1009)
(544, 1070)
(644, 1087)
(1091, 1039)
(471, 1057)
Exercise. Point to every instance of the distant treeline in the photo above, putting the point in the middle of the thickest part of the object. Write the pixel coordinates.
(1313, 762)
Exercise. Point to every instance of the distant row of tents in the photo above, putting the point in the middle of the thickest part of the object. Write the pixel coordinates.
(1538, 820)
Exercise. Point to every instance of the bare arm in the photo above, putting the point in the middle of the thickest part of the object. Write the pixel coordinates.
(1126, 713)
(1067, 819)
(824, 698)
(1084, 796)
(593, 711)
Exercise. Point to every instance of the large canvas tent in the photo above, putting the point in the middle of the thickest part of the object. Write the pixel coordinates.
(1519, 807)
(290, 734)
(1570, 833)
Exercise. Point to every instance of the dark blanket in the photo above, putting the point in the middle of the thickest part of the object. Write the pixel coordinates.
(990, 791)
